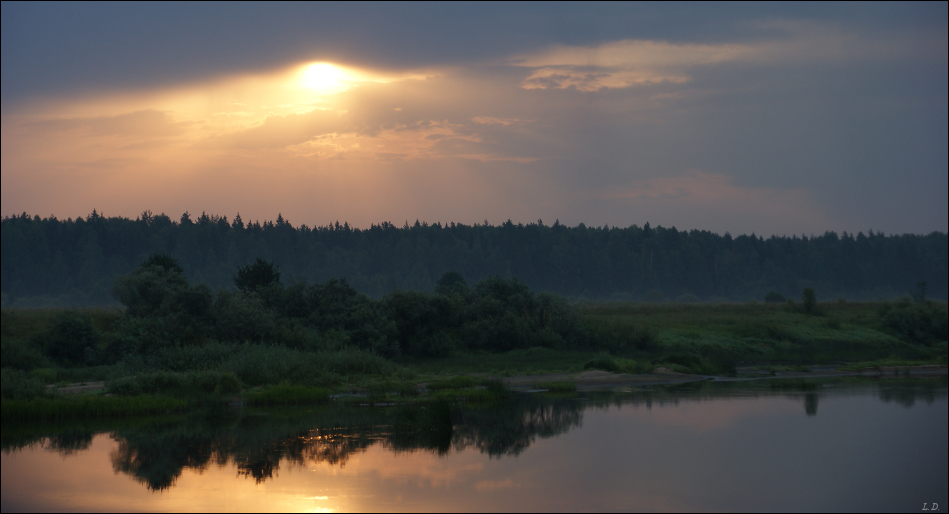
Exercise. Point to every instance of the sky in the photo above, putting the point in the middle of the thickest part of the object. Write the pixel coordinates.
(773, 119)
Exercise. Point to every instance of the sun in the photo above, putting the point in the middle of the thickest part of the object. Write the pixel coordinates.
(323, 77)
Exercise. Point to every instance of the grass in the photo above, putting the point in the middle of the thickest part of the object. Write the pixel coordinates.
(712, 338)
(456, 382)
(287, 394)
(87, 406)
(620, 338)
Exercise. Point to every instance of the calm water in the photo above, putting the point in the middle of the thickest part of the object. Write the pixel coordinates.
(841, 446)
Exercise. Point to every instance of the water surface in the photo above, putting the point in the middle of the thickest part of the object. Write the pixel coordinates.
(840, 445)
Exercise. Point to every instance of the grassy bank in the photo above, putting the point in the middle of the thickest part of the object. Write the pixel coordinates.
(622, 337)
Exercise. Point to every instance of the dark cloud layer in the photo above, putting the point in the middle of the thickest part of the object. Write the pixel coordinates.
(55, 48)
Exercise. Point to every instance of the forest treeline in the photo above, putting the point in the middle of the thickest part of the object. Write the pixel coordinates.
(53, 262)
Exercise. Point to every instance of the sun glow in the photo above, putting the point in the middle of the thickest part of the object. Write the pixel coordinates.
(324, 77)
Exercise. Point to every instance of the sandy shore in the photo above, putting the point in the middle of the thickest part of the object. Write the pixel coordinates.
(600, 380)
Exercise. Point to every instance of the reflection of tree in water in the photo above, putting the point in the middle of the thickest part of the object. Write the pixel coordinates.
(810, 404)
(427, 428)
(70, 442)
(157, 458)
(330, 446)
(158, 461)
(509, 429)
(156, 454)
(906, 392)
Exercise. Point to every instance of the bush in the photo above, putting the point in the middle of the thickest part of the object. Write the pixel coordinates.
(195, 383)
(919, 322)
(355, 361)
(809, 301)
(71, 339)
(19, 385)
(604, 363)
(686, 360)
(242, 318)
(204, 357)
(19, 354)
(260, 364)
(774, 297)
(259, 275)
(148, 290)
(456, 382)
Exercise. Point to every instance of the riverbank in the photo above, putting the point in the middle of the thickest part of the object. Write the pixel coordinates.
(617, 346)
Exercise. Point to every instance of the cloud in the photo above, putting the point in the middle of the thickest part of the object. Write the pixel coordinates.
(146, 123)
(622, 64)
(491, 120)
(631, 63)
(766, 132)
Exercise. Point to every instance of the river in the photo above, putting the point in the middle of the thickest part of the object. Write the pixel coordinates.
(838, 445)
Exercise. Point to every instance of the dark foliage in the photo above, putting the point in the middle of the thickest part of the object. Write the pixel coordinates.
(809, 301)
(163, 311)
(52, 262)
(254, 277)
(72, 340)
(920, 322)
(163, 261)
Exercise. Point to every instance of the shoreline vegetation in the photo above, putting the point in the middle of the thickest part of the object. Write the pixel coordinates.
(175, 346)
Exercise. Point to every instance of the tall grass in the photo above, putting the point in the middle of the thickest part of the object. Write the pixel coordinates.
(189, 384)
(287, 394)
(41, 408)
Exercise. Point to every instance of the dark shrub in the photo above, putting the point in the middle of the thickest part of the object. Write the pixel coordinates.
(919, 322)
(604, 363)
(242, 318)
(809, 301)
(149, 290)
(163, 261)
(683, 359)
(259, 275)
(19, 354)
(72, 337)
(452, 283)
(19, 385)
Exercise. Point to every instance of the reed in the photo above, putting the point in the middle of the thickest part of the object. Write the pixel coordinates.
(288, 394)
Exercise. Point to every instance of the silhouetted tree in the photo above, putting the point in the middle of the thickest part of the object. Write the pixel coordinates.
(164, 261)
(256, 276)
(809, 300)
